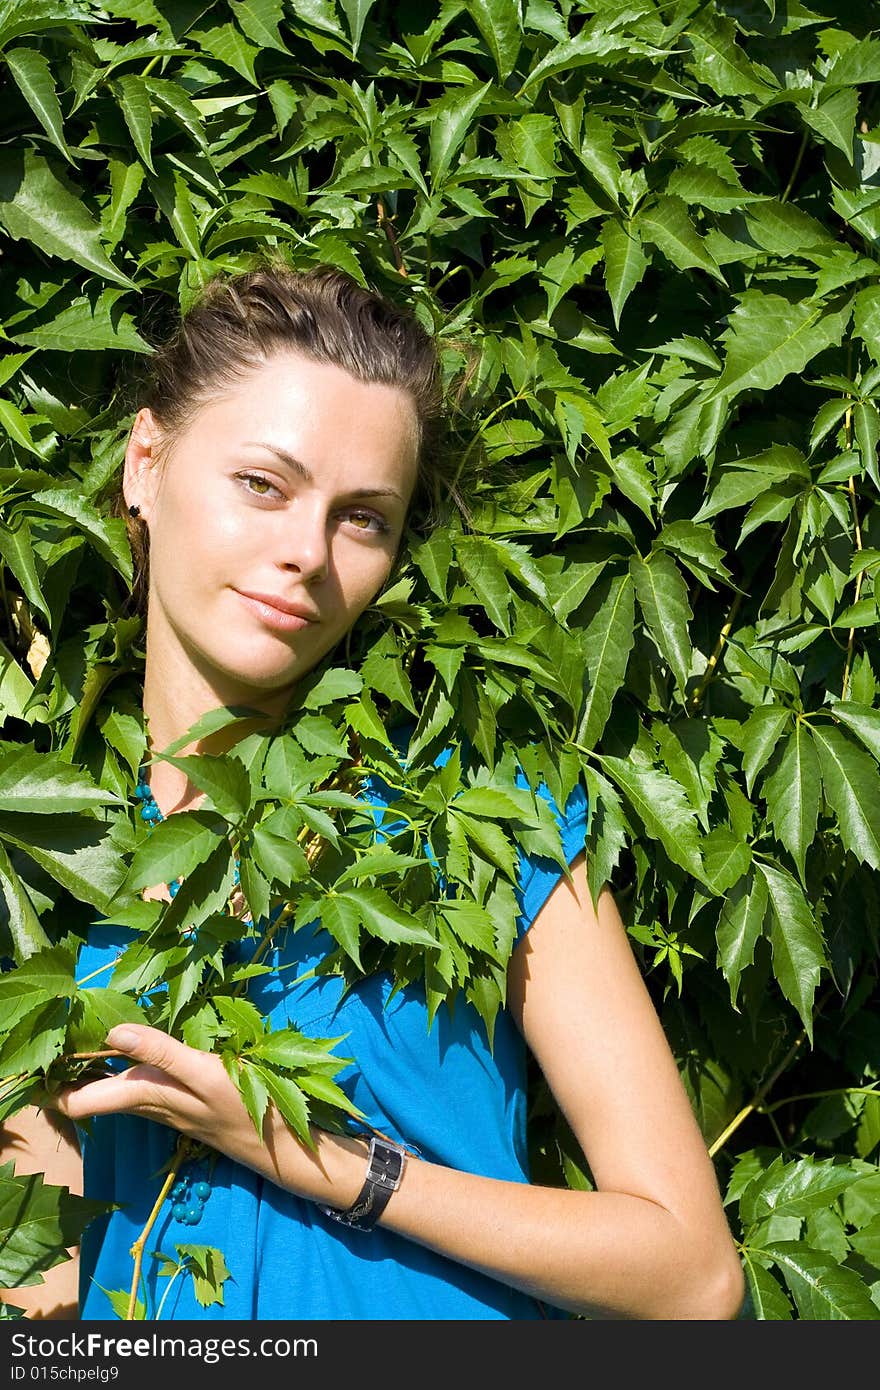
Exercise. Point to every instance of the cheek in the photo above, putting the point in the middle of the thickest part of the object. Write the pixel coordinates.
(192, 533)
(364, 578)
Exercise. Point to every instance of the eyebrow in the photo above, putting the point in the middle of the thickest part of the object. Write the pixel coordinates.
(297, 466)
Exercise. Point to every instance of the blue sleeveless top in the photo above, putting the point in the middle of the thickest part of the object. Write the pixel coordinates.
(439, 1090)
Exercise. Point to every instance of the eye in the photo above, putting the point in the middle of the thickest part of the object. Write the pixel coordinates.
(368, 522)
(258, 486)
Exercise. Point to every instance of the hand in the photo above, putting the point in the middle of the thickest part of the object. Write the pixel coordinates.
(190, 1091)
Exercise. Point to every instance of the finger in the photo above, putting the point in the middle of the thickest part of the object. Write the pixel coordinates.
(154, 1048)
(139, 1089)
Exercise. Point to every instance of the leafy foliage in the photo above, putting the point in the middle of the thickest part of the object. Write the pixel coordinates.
(646, 237)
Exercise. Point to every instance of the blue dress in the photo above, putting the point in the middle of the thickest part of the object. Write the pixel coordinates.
(439, 1090)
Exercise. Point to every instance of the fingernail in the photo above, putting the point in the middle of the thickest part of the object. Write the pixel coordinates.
(123, 1038)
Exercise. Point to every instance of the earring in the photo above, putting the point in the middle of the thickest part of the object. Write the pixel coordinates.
(134, 511)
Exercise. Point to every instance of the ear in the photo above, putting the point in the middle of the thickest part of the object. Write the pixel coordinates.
(140, 475)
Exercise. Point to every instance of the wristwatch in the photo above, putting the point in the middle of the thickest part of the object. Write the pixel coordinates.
(384, 1171)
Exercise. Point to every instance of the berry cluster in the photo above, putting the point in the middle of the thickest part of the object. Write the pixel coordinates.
(189, 1200)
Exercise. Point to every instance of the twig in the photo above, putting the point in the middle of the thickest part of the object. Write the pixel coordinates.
(387, 225)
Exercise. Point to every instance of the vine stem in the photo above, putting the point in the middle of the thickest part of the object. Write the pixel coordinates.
(758, 1098)
(181, 1153)
(723, 635)
(88, 1056)
(850, 642)
(795, 167)
(823, 1095)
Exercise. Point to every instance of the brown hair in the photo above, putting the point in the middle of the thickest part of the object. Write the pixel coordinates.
(240, 320)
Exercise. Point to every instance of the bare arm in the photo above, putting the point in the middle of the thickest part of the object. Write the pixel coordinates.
(652, 1241)
(42, 1141)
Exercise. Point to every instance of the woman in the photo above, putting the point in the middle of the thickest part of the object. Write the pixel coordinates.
(272, 476)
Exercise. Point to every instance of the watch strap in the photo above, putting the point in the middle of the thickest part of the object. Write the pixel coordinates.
(385, 1166)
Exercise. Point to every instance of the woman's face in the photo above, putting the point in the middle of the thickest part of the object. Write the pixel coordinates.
(274, 519)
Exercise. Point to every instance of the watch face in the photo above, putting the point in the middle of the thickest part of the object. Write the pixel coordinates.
(385, 1166)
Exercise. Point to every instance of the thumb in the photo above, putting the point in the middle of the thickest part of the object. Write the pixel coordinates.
(154, 1048)
(142, 1043)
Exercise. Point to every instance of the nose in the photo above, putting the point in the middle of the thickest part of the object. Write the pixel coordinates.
(304, 547)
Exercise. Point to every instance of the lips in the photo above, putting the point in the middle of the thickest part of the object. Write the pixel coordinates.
(278, 613)
(297, 610)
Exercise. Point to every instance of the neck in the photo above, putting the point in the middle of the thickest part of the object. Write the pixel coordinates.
(177, 693)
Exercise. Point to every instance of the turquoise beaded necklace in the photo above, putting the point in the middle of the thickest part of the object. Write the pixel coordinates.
(152, 815)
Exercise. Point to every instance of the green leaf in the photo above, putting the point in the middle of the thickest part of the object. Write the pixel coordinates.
(173, 99)
(95, 1011)
(107, 534)
(74, 849)
(36, 206)
(739, 928)
(22, 922)
(770, 338)
(663, 599)
(866, 422)
(822, 1289)
(335, 684)
(36, 1040)
(607, 643)
(290, 1101)
(342, 918)
(589, 47)
(768, 1298)
(485, 574)
(295, 1051)
(625, 262)
(737, 486)
(134, 102)
(173, 848)
(798, 949)
(253, 1092)
(319, 736)
(87, 326)
(499, 24)
(857, 65)
(852, 790)
(209, 1272)
(450, 119)
(792, 794)
(41, 782)
(37, 1224)
(799, 1188)
(15, 687)
(259, 19)
(33, 76)
(222, 777)
(356, 12)
(719, 62)
(725, 858)
(386, 919)
(758, 738)
(47, 975)
(864, 722)
(666, 224)
(663, 808)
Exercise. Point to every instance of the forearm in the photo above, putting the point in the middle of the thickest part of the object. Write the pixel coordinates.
(600, 1254)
